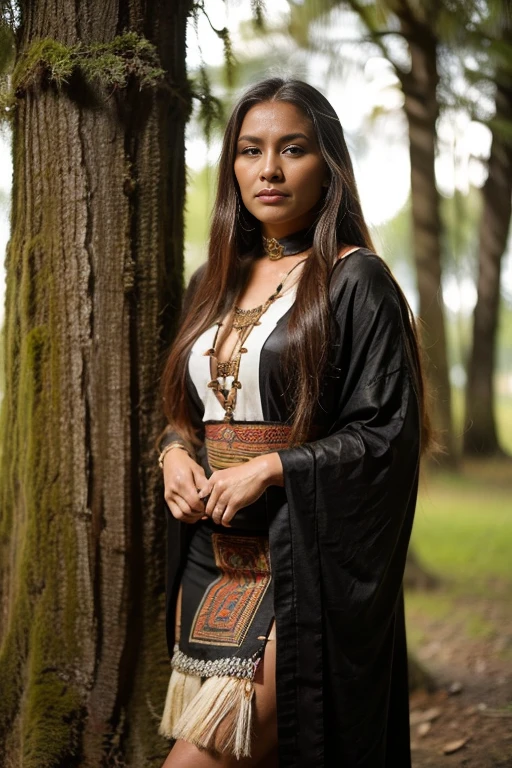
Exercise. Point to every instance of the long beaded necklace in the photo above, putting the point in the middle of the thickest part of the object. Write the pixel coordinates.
(244, 320)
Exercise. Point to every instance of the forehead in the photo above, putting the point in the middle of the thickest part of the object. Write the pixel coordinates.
(272, 119)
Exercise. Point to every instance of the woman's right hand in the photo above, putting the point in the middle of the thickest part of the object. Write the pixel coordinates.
(183, 479)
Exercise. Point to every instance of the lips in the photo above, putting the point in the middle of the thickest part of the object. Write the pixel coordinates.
(271, 193)
(271, 196)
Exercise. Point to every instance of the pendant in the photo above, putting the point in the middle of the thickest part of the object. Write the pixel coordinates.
(273, 249)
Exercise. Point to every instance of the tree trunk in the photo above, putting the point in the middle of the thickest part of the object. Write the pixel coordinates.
(422, 110)
(94, 274)
(420, 678)
(480, 434)
(416, 575)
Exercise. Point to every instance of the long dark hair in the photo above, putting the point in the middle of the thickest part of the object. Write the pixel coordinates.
(235, 234)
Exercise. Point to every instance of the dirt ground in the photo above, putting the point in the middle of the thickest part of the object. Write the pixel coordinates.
(467, 721)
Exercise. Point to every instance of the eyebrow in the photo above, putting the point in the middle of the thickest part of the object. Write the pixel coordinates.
(288, 137)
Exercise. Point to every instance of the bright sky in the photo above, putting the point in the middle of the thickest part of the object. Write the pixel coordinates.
(379, 151)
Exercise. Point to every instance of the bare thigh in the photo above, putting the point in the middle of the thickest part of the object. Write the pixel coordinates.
(264, 742)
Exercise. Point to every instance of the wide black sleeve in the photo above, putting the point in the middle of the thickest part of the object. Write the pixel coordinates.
(339, 544)
(372, 446)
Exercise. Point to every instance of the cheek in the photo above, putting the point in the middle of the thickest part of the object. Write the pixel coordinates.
(308, 183)
(313, 173)
(244, 179)
(242, 172)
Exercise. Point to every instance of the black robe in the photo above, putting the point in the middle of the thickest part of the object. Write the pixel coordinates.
(338, 543)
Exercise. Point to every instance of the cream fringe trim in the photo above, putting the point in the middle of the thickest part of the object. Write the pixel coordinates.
(194, 713)
(182, 689)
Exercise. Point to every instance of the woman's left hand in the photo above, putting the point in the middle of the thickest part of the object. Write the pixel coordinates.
(237, 487)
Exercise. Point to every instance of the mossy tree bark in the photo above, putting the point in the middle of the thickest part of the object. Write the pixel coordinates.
(94, 275)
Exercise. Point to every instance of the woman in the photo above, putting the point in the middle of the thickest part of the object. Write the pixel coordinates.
(296, 411)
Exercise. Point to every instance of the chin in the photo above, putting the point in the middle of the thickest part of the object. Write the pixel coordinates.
(274, 216)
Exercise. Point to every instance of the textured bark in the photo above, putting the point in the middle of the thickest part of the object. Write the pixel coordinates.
(422, 110)
(94, 273)
(480, 434)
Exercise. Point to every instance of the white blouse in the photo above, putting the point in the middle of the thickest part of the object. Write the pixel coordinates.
(248, 400)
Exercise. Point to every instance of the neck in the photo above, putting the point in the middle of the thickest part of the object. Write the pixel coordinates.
(296, 242)
(287, 228)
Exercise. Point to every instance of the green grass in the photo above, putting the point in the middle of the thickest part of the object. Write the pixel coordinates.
(463, 525)
(504, 410)
(463, 534)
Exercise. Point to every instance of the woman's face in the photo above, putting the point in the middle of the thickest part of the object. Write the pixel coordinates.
(277, 150)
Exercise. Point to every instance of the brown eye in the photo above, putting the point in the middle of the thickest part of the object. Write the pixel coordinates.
(295, 150)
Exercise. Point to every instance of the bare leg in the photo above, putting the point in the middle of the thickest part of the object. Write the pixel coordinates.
(177, 625)
(264, 743)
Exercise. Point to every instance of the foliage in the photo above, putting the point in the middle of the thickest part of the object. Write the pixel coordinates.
(10, 14)
(210, 113)
(109, 63)
(212, 87)
(258, 10)
(7, 48)
(127, 57)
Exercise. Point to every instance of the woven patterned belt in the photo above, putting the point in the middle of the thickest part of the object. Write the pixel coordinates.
(229, 444)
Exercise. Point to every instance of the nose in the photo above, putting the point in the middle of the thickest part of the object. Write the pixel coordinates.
(271, 168)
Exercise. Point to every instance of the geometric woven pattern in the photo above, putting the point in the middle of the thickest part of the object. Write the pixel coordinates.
(230, 444)
(231, 601)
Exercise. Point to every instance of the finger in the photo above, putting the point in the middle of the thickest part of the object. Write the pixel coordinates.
(200, 478)
(184, 484)
(190, 494)
(228, 515)
(177, 513)
(188, 514)
(220, 507)
(218, 513)
(218, 489)
(205, 488)
(212, 500)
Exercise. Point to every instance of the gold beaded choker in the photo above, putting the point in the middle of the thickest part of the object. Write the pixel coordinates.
(290, 245)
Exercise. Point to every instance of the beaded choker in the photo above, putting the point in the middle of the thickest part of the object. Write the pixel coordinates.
(290, 245)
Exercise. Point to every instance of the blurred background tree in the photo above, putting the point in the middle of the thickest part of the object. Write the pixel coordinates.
(492, 71)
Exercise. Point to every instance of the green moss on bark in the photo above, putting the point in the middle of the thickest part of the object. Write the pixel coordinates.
(40, 654)
(112, 65)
